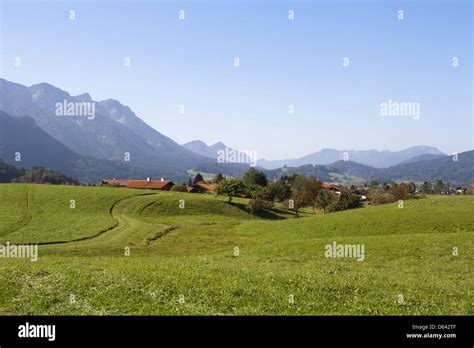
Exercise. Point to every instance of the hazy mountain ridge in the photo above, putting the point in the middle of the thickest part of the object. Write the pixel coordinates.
(91, 149)
(459, 172)
(446, 168)
(212, 151)
(373, 158)
(424, 157)
(37, 148)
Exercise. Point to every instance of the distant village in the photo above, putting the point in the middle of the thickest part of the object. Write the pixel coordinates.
(369, 193)
(162, 184)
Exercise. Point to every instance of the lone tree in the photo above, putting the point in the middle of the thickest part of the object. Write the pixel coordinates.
(345, 200)
(400, 191)
(198, 178)
(426, 187)
(218, 178)
(313, 186)
(259, 202)
(302, 193)
(230, 188)
(325, 199)
(255, 177)
(277, 191)
(438, 186)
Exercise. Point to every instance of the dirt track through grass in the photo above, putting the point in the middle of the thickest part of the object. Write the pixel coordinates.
(191, 252)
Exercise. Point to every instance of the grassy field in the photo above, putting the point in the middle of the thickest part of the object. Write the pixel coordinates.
(211, 258)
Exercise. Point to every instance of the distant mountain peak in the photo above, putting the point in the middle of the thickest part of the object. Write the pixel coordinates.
(45, 85)
(328, 149)
(199, 147)
(84, 97)
(197, 142)
(219, 144)
(49, 92)
(112, 102)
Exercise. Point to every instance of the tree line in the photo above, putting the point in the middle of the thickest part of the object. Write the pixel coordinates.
(293, 193)
(37, 175)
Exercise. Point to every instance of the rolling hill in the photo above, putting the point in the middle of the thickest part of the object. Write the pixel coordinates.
(320, 172)
(212, 258)
(460, 172)
(419, 158)
(417, 169)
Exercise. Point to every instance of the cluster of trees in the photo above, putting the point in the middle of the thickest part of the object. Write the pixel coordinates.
(198, 178)
(294, 192)
(438, 187)
(390, 192)
(9, 173)
(40, 175)
(37, 175)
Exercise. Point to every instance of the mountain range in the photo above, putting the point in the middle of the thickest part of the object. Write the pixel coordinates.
(114, 131)
(21, 136)
(373, 158)
(98, 146)
(457, 172)
(417, 163)
(213, 151)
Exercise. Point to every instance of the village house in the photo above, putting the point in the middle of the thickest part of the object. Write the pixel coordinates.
(332, 187)
(202, 187)
(161, 184)
(363, 194)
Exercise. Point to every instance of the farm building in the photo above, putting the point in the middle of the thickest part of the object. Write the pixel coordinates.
(115, 182)
(140, 184)
(333, 187)
(202, 187)
(363, 194)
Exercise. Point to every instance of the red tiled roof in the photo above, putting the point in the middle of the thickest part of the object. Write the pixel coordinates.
(145, 184)
(205, 186)
(329, 185)
(120, 182)
(140, 184)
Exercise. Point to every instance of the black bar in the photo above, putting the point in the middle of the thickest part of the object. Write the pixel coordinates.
(135, 331)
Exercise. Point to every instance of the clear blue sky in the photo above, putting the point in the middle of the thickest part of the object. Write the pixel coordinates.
(282, 62)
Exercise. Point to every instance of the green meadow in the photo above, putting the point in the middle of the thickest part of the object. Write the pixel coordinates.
(116, 251)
